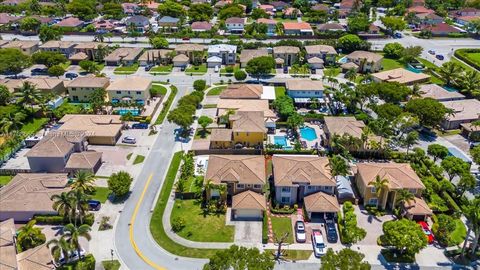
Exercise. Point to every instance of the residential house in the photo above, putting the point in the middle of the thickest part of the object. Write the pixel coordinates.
(400, 75)
(76, 58)
(156, 57)
(180, 60)
(151, 5)
(132, 89)
(366, 61)
(466, 20)
(244, 177)
(465, 12)
(399, 176)
(8, 247)
(271, 25)
(89, 161)
(419, 10)
(26, 46)
(292, 13)
(80, 88)
(439, 93)
(225, 105)
(194, 52)
(296, 177)
(12, 85)
(373, 29)
(326, 53)
(88, 49)
(471, 132)
(269, 9)
(34, 191)
(248, 54)
(169, 24)
(464, 111)
(297, 29)
(99, 129)
(327, 27)
(220, 4)
(130, 8)
(6, 18)
(64, 47)
(12, 2)
(71, 22)
(50, 154)
(105, 25)
(279, 5)
(123, 56)
(201, 26)
(140, 22)
(235, 25)
(242, 91)
(304, 90)
(320, 7)
(428, 18)
(247, 130)
(48, 85)
(221, 54)
(418, 3)
(339, 126)
(285, 55)
(345, 7)
(442, 29)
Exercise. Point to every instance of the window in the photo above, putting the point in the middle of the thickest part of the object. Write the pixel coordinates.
(285, 189)
(309, 187)
(119, 92)
(328, 188)
(285, 199)
(240, 186)
(257, 186)
(139, 93)
(373, 201)
(412, 190)
(248, 185)
(373, 190)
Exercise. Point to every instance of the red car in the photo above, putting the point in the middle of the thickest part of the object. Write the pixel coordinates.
(427, 231)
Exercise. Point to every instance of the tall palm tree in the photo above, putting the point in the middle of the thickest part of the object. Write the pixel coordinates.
(73, 235)
(29, 95)
(351, 74)
(470, 83)
(80, 204)
(380, 185)
(471, 211)
(223, 192)
(12, 121)
(449, 71)
(403, 196)
(60, 246)
(30, 236)
(63, 204)
(83, 181)
(416, 92)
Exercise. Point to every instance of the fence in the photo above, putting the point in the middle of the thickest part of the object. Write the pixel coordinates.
(228, 152)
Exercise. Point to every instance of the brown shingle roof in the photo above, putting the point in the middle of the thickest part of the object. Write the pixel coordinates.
(236, 168)
(70, 22)
(221, 135)
(286, 49)
(248, 55)
(201, 26)
(321, 202)
(399, 175)
(84, 160)
(400, 75)
(417, 207)
(344, 125)
(89, 82)
(244, 121)
(248, 91)
(290, 170)
(56, 146)
(235, 20)
(317, 49)
(369, 56)
(94, 125)
(8, 253)
(249, 200)
(123, 54)
(296, 26)
(153, 54)
(37, 258)
(189, 47)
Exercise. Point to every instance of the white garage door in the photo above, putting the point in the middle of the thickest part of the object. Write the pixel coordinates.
(248, 214)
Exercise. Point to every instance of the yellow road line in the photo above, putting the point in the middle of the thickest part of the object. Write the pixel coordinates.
(132, 221)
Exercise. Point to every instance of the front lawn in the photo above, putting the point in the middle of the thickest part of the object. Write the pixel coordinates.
(332, 72)
(111, 265)
(101, 194)
(389, 64)
(389, 256)
(293, 255)
(161, 69)
(460, 63)
(196, 70)
(5, 179)
(158, 90)
(279, 91)
(280, 226)
(460, 232)
(126, 70)
(216, 91)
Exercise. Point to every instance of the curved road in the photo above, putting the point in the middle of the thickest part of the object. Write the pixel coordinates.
(143, 252)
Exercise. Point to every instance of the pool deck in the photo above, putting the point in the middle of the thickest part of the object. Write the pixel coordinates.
(318, 132)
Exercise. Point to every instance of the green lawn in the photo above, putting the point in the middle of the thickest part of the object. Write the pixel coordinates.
(156, 225)
(33, 125)
(158, 90)
(196, 70)
(166, 105)
(282, 225)
(111, 265)
(389, 64)
(101, 194)
(332, 72)
(161, 69)
(293, 255)
(431, 66)
(200, 227)
(223, 71)
(138, 159)
(458, 236)
(192, 184)
(126, 69)
(279, 91)
(216, 91)
(464, 66)
(129, 156)
(210, 106)
(4, 179)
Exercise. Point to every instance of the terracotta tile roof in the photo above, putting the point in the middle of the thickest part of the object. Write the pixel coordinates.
(6, 18)
(154, 54)
(317, 49)
(291, 10)
(201, 26)
(221, 135)
(57, 44)
(31, 192)
(241, 91)
(189, 47)
(56, 146)
(344, 125)
(291, 170)
(21, 44)
(417, 207)
(123, 54)
(89, 45)
(70, 22)
(420, 9)
(86, 160)
(443, 28)
(437, 92)
(296, 26)
(241, 169)
(399, 175)
(94, 125)
(249, 200)
(400, 75)
(180, 58)
(37, 258)
(89, 82)
(45, 83)
(235, 20)
(8, 252)
(244, 121)
(369, 56)
(78, 56)
(330, 27)
(250, 105)
(11, 84)
(321, 202)
(248, 55)
(468, 18)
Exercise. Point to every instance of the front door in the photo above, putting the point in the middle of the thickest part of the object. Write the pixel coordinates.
(390, 200)
(300, 193)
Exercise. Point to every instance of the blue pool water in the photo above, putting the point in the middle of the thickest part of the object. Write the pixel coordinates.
(450, 89)
(308, 133)
(280, 140)
(134, 112)
(412, 69)
(342, 60)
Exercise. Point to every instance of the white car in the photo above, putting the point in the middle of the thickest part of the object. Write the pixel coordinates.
(300, 231)
(73, 256)
(129, 139)
(319, 247)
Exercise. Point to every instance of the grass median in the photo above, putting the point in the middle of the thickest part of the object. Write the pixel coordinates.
(167, 105)
(156, 225)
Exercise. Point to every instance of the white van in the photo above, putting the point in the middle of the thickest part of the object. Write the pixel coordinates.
(216, 69)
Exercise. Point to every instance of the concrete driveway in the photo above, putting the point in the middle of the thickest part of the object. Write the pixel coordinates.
(248, 232)
(372, 224)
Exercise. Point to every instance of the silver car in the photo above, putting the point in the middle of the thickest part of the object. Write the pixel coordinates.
(129, 140)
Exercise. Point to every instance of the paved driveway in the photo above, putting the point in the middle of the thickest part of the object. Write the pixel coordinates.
(372, 224)
(248, 232)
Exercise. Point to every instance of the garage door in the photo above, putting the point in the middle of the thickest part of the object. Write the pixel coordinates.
(248, 214)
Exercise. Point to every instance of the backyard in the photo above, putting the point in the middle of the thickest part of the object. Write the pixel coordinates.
(389, 64)
(201, 226)
(196, 70)
(126, 70)
(282, 225)
(5, 179)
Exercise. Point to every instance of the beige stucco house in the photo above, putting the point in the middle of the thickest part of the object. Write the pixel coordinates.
(80, 88)
(131, 89)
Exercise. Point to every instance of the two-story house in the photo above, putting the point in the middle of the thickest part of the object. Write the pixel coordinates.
(285, 55)
(80, 88)
(64, 47)
(365, 61)
(167, 23)
(221, 54)
(271, 26)
(248, 54)
(339, 126)
(297, 29)
(315, 53)
(139, 22)
(244, 177)
(131, 89)
(88, 50)
(193, 51)
(304, 90)
(235, 25)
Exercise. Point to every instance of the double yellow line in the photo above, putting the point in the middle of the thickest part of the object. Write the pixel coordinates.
(132, 222)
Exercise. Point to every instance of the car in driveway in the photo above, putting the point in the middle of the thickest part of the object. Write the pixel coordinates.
(94, 205)
(332, 236)
(72, 256)
(39, 71)
(71, 75)
(318, 244)
(140, 126)
(300, 233)
(439, 57)
(426, 230)
(129, 140)
(432, 52)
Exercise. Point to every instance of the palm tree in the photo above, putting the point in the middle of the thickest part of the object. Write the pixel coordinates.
(83, 181)
(351, 74)
(416, 92)
(449, 71)
(80, 204)
(12, 121)
(471, 211)
(30, 236)
(470, 83)
(60, 246)
(380, 185)
(29, 95)
(223, 192)
(63, 204)
(403, 196)
(209, 185)
(73, 234)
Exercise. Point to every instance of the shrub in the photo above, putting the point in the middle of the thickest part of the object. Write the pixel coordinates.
(462, 54)
(60, 220)
(178, 224)
(105, 224)
(240, 75)
(199, 85)
(229, 69)
(119, 183)
(265, 228)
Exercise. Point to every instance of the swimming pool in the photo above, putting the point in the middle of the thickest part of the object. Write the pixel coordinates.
(308, 133)
(412, 69)
(342, 60)
(450, 89)
(280, 140)
(124, 111)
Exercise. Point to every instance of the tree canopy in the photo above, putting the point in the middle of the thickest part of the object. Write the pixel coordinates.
(350, 43)
(229, 11)
(284, 106)
(83, 9)
(159, 42)
(393, 50)
(200, 12)
(13, 61)
(119, 183)
(454, 166)
(260, 66)
(345, 259)
(172, 9)
(437, 151)
(393, 23)
(358, 23)
(429, 111)
(47, 33)
(405, 235)
(240, 258)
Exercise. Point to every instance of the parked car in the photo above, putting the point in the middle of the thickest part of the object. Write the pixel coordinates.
(318, 244)
(300, 233)
(473, 144)
(39, 71)
(94, 205)
(332, 236)
(285, 70)
(183, 68)
(426, 230)
(73, 256)
(148, 67)
(186, 38)
(440, 57)
(129, 139)
(397, 35)
(432, 52)
(216, 69)
(71, 75)
(140, 126)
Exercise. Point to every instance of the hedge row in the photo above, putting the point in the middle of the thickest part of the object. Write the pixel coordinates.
(462, 54)
(60, 220)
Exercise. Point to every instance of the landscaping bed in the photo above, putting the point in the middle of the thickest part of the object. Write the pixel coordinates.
(279, 91)
(166, 105)
(158, 90)
(469, 56)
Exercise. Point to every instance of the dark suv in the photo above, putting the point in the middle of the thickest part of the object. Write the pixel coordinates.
(332, 236)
